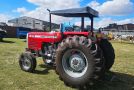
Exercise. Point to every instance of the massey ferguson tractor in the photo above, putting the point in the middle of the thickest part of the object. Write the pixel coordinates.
(80, 57)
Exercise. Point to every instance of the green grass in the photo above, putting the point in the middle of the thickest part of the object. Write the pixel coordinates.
(12, 78)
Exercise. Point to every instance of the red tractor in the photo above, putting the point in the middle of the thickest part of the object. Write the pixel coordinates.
(79, 56)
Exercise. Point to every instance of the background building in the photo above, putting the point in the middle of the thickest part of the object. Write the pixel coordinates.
(25, 23)
(125, 29)
(115, 27)
(31, 23)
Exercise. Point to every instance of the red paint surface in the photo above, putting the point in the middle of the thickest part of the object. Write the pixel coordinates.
(35, 39)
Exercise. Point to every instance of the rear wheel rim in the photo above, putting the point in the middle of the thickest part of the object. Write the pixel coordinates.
(74, 63)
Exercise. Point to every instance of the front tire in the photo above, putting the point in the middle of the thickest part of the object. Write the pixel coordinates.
(27, 62)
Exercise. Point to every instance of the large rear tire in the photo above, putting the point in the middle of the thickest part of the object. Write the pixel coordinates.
(108, 52)
(76, 64)
(27, 62)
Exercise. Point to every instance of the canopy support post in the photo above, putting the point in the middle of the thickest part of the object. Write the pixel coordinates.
(50, 26)
(82, 23)
(92, 25)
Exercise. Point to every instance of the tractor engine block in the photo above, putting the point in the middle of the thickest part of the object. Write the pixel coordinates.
(49, 51)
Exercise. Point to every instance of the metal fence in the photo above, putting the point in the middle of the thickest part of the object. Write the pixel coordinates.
(120, 32)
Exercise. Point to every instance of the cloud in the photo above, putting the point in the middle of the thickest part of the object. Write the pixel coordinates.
(21, 10)
(125, 21)
(110, 7)
(94, 4)
(55, 4)
(5, 18)
(103, 22)
(97, 24)
(114, 7)
(41, 13)
(106, 21)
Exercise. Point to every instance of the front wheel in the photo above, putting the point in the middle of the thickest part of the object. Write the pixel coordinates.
(27, 62)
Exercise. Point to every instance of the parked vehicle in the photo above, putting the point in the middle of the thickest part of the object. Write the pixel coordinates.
(22, 32)
(3, 34)
(80, 57)
(66, 26)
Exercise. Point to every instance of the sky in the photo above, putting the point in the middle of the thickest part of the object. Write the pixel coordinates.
(110, 11)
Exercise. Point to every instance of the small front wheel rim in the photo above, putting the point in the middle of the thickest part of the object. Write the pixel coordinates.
(26, 63)
(74, 63)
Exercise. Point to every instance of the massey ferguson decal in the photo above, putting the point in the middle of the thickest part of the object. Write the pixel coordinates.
(41, 36)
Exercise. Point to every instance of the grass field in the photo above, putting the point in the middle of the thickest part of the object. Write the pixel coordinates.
(12, 78)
